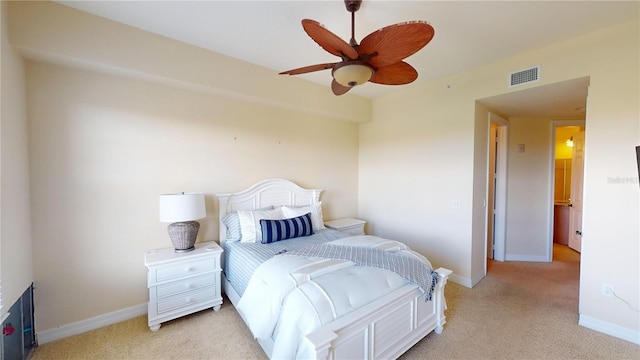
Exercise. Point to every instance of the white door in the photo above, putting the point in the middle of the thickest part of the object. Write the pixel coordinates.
(498, 218)
(491, 212)
(577, 176)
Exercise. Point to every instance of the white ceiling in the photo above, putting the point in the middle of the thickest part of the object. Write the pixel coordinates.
(269, 33)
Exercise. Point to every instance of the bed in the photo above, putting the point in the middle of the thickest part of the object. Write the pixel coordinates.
(269, 284)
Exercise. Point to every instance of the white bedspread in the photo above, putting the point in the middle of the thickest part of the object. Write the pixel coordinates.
(290, 296)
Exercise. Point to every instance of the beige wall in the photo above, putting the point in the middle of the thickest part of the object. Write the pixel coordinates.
(56, 33)
(104, 147)
(16, 266)
(529, 194)
(416, 158)
(111, 127)
(611, 225)
(424, 150)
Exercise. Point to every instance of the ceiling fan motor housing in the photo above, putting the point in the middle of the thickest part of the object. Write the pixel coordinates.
(352, 5)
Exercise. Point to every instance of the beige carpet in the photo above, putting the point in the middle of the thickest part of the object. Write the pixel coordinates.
(519, 311)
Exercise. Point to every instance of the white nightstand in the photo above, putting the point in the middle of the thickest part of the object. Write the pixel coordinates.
(347, 225)
(182, 283)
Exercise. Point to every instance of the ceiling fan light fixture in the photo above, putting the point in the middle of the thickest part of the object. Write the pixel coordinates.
(352, 73)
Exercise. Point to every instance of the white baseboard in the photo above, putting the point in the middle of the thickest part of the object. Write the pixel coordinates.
(93, 323)
(476, 279)
(610, 329)
(466, 282)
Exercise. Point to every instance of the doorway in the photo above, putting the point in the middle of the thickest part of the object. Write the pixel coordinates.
(562, 100)
(568, 162)
(497, 187)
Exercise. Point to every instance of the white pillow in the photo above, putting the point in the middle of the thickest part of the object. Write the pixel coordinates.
(315, 210)
(250, 223)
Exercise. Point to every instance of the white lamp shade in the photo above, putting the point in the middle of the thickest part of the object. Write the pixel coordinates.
(353, 73)
(182, 207)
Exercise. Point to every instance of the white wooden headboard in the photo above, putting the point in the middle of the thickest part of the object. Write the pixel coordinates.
(272, 192)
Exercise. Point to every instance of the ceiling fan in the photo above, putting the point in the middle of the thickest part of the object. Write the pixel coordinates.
(378, 57)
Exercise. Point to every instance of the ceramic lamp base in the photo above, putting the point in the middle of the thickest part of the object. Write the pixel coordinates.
(183, 235)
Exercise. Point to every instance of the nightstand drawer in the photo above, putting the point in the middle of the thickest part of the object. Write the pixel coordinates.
(189, 284)
(187, 299)
(169, 272)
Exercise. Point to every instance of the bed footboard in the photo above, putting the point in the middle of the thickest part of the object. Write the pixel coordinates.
(383, 329)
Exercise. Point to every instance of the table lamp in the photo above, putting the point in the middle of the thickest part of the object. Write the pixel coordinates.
(181, 210)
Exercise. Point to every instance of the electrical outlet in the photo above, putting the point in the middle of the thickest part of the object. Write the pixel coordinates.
(607, 290)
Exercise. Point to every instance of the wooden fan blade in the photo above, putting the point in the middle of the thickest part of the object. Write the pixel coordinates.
(328, 40)
(395, 42)
(396, 74)
(338, 89)
(308, 69)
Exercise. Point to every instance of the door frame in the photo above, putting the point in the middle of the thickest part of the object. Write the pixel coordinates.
(500, 191)
(552, 164)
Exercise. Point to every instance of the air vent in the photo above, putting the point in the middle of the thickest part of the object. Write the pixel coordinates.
(524, 76)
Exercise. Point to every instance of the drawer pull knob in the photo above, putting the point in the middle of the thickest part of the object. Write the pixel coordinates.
(188, 300)
(189, 286)
(188, 269)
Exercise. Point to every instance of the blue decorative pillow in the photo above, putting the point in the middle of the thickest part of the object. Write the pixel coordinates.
(276, 230)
